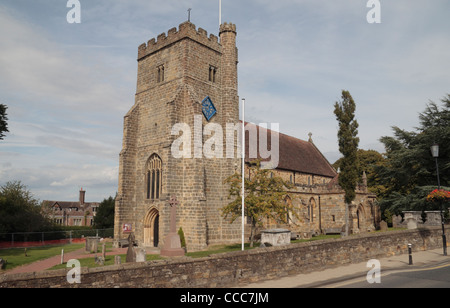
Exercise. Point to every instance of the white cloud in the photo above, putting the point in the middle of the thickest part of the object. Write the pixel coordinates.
(68, 86)
(86, 175)
(63, 112)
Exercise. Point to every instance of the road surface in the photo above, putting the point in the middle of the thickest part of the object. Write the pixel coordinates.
(437, 276)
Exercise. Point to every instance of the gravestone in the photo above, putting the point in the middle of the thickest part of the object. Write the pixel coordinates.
(344, 230)
(397, 221)
(3, 264)
(99, 260)
(92, 244)
(411, 223)
(383, 226)
(141, 255)
(131, 254)
(104, 251)
(172, 242)
(117, 260)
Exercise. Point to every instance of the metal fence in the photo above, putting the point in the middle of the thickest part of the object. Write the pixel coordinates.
(30, 239)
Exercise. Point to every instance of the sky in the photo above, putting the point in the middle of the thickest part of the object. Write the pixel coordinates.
(67, 86)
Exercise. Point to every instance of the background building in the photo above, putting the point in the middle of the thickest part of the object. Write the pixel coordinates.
(73, 213)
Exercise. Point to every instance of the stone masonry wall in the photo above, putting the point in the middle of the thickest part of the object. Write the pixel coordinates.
(173, 78)
(232, 269)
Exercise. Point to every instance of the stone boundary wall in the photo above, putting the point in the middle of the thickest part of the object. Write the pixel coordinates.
(232, 269)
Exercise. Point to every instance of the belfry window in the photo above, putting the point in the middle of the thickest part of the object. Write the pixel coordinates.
(160, 73)
(154, 177)
(212, 73)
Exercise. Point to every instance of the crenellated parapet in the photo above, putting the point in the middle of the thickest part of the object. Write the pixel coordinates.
(227, 27)
(185, 30)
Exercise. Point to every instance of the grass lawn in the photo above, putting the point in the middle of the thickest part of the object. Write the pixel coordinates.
(220, 249)
(236, 247)
(392, 229)
(16, 256)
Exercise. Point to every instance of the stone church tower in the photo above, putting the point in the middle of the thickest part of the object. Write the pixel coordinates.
(189, 78)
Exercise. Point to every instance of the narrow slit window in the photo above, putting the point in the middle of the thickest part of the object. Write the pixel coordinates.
(160, 73)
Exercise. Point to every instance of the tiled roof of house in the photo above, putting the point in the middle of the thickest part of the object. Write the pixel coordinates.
(71, 204)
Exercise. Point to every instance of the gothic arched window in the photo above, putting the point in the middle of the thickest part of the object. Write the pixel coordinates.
(154, 177)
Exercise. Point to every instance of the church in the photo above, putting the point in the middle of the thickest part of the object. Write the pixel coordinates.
(187, 83)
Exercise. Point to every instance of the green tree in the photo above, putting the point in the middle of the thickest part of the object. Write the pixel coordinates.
(409, 172)
(3, 119)
(348, 146)
(368, 161)
(19, 210)
(264, 198)
(104, 218)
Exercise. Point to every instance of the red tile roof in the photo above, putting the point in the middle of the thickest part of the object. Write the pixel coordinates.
(294, 154)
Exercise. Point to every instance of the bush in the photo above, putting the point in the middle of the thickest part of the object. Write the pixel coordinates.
(182, 239)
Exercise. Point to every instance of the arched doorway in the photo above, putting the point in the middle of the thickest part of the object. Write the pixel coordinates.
(151, 228)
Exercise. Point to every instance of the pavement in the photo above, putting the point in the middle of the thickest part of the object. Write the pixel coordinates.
(340, 276)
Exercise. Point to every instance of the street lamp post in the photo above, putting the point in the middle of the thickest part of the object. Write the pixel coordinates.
(435, 153)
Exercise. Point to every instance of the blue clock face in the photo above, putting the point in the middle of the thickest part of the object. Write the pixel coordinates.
(208, 108)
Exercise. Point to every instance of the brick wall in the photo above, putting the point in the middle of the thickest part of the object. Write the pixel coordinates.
(231, 269)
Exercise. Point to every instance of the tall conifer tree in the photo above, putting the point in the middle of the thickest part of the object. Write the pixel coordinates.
(348, 146)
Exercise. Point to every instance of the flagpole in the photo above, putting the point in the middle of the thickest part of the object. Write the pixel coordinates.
(242, 173)
(220, 13)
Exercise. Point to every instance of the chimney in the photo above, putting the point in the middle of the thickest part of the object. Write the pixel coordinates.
(82, 195)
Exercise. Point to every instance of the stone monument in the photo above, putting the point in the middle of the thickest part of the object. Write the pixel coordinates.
(92, 244)
(131, 254)
(276, 237)
(172, 242)
(411, 223)
(383, 226)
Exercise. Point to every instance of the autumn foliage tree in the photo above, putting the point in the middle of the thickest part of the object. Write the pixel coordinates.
(264, 198)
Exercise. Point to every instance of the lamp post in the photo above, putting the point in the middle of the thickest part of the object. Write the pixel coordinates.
(435, 153)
